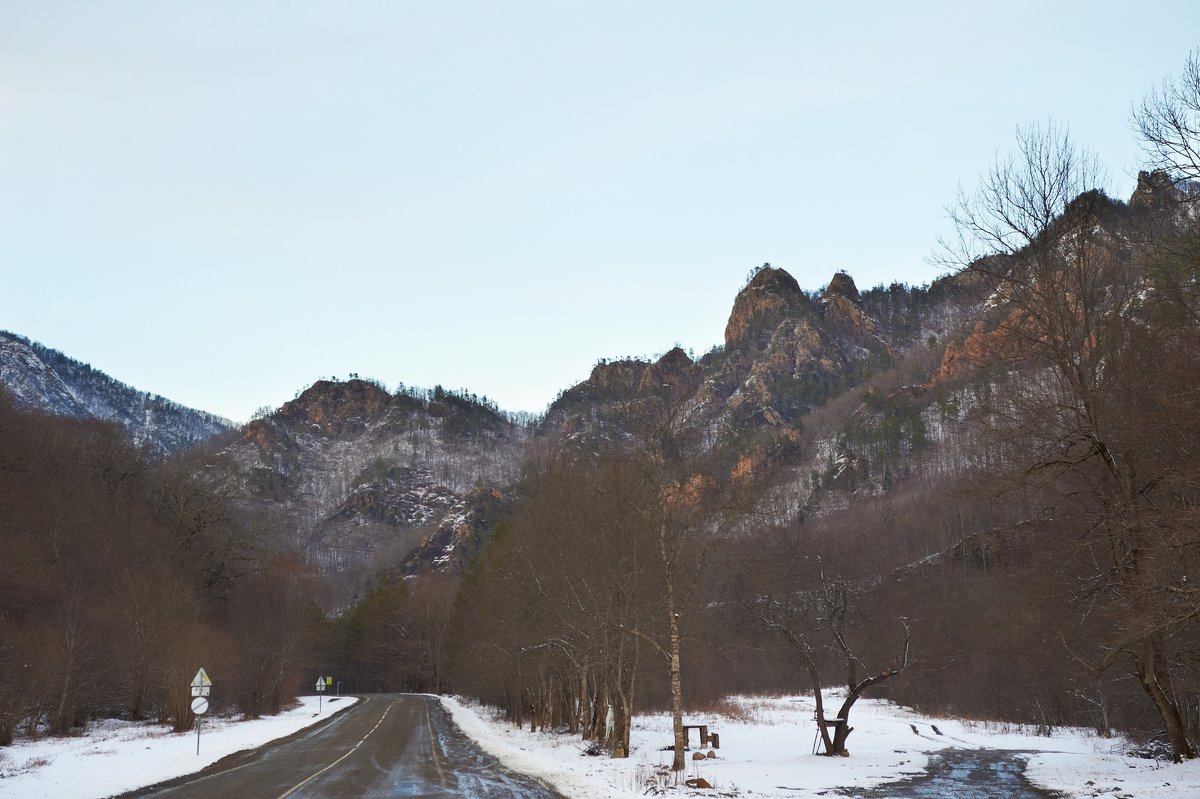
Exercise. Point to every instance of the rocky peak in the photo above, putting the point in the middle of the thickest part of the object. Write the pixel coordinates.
(1154, 189)
(674, 369)
(629, 378)
(842, 285)
(771, 296)
(842, 306)
(335, 407)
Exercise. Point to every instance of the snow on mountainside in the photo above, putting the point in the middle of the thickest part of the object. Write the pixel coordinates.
(39, 378)
(355, 478)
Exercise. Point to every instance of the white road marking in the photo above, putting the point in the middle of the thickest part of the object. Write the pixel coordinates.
(300, 785)
(362, 701)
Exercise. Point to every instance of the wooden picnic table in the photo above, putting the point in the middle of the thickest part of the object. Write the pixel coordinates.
(706, 738)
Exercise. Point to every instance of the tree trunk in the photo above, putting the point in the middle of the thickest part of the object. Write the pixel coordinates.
(673, 653)
(1131, 566)
(819, 701)
(1156, 683)
(676, 693)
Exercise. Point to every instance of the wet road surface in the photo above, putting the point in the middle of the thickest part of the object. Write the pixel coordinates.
(384, 747)
(964, 774)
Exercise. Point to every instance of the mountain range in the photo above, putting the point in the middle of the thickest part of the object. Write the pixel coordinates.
(848, 391)
(362, 480)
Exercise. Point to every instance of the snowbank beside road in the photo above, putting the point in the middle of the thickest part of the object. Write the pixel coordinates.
(766, 752)
(118, 756)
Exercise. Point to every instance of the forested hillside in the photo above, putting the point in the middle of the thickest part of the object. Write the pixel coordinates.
(120, 578)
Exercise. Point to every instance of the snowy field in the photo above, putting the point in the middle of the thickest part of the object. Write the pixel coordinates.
(118, 756)
(766, 751)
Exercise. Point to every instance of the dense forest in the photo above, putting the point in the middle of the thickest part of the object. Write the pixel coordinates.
(122, 575)
(982, 499)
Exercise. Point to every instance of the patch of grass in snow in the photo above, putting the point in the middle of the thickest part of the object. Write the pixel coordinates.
(727, 709)
(767, 710)
(9, 769)
(992, 727)
(651, 779)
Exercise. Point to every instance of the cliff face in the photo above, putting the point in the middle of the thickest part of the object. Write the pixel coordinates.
(841, 305)
(785, 354)
(770, 297)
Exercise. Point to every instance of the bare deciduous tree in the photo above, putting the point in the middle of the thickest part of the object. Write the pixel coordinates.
(1168, 123)
(1073, 319)
(790, 593)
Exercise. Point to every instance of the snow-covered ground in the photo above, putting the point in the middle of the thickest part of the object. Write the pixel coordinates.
(118, 756)
(767, 744)
(766, 752)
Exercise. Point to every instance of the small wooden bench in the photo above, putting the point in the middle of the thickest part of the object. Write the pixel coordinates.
(711, 740)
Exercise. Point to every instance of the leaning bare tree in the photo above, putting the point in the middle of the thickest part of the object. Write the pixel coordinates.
(790, 593)
(1075, 321)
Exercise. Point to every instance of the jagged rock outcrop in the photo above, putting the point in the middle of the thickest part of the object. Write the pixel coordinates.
(784, 354)
(770, 297)
(337, 408)
(842, 307)
(1154, 190)
(460, 535)
(624, 380)
(611, 399)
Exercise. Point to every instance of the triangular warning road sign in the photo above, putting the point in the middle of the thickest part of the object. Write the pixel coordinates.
(201, 680)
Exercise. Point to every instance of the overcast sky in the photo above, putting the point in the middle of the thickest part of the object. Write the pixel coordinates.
(221, 202)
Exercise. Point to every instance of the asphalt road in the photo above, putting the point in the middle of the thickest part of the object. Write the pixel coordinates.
(385, 746)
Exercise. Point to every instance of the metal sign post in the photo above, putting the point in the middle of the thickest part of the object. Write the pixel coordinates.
(320, 693)
(201, 688)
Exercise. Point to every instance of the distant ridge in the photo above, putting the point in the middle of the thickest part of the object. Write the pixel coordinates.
(39, 378)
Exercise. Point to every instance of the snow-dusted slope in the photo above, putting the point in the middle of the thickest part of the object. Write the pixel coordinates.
(357, 478)
(45, 380)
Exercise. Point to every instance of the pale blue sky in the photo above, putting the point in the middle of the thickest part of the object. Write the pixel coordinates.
(221, 202)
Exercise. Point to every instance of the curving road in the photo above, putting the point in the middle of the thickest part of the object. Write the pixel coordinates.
(383, 747)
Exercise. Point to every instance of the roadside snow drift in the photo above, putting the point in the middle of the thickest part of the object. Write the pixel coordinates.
(118, 756)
